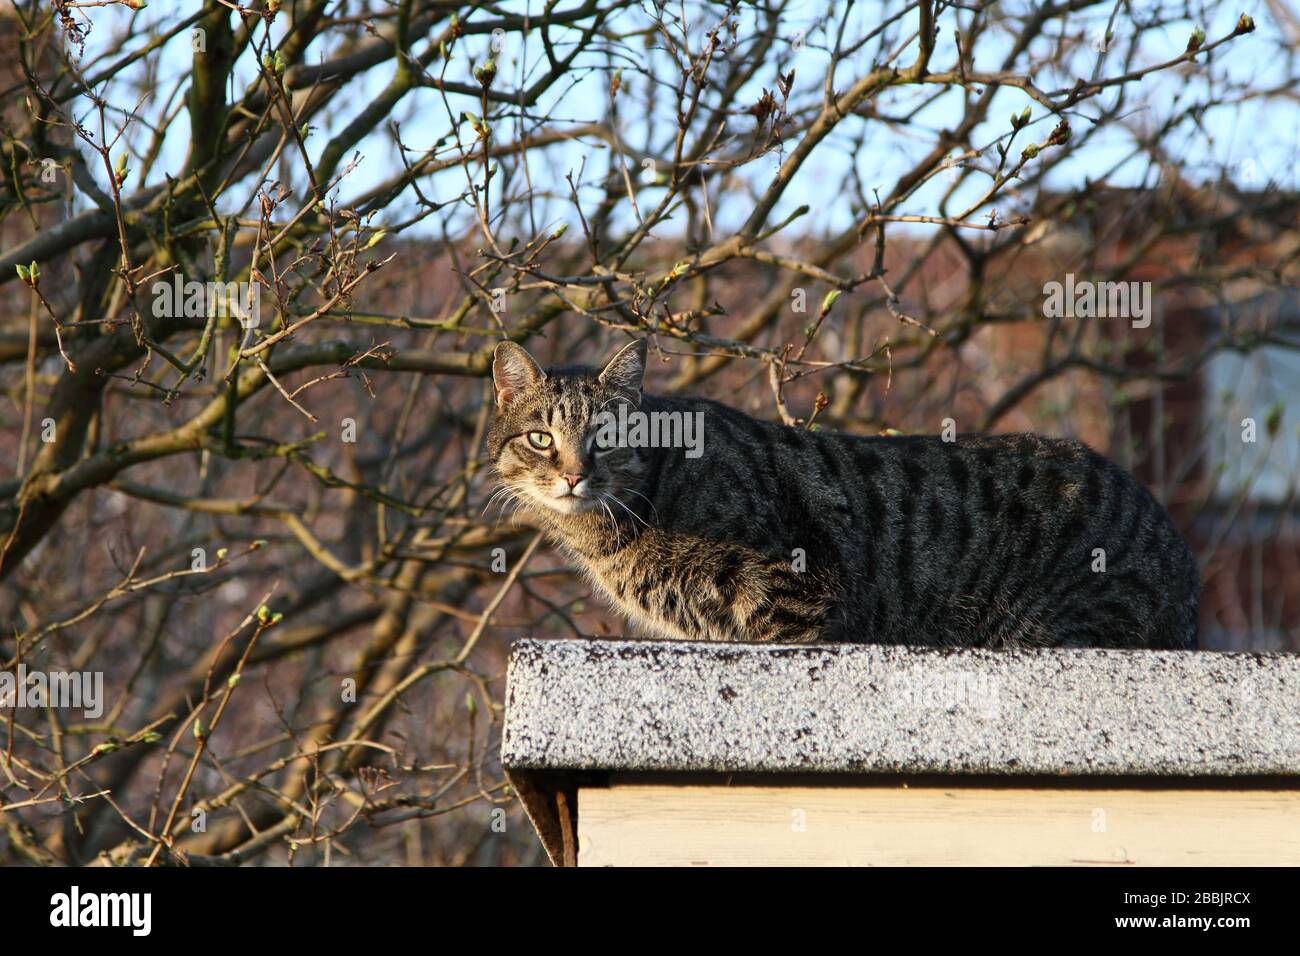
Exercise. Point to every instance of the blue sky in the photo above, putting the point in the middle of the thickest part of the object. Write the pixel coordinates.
(1256, 141)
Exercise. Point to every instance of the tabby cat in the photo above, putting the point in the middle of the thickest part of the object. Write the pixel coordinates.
(783, 534)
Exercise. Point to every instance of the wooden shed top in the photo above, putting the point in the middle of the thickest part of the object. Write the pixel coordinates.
(580, 707)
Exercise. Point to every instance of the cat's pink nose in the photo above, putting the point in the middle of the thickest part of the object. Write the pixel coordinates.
(573, 479)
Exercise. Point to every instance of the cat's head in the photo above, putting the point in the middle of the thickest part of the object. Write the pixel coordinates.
(544, 441)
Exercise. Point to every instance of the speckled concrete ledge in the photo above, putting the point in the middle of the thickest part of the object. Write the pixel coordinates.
(640, 706)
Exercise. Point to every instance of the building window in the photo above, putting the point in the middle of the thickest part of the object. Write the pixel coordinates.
(1255, 395)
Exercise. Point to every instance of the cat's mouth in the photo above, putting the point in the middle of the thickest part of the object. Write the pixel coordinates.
(572, 504)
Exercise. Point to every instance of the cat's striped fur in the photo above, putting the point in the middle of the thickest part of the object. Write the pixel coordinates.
(784, 534)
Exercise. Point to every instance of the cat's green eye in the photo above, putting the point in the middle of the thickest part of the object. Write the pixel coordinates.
(540, 440)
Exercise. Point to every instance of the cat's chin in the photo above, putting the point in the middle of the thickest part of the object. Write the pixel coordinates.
(571, 505)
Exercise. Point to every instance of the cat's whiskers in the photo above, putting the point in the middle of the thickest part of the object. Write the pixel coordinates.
(618, 536)
(632, 491)
(508, 497)
(614, 498)
(499, 493)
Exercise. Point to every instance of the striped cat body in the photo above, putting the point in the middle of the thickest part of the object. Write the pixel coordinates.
(775, 533)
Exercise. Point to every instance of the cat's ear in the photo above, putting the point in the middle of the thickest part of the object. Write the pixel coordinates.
(626, 370)
(513, 370)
